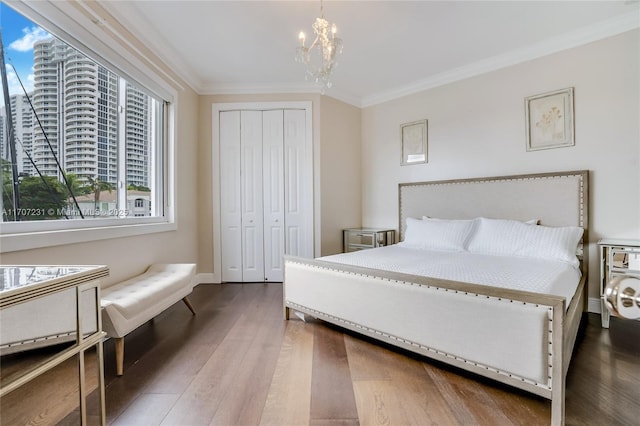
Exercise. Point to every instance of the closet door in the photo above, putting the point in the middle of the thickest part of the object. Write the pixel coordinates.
(298, 186)
(273, 191)
(266, 192)
(230, 206)
(251, 193)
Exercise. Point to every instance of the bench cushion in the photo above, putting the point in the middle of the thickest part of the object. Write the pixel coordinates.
(129, 304)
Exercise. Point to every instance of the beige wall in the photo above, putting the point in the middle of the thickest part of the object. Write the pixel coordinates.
(477, 128)
(341, 177)
(129, 256)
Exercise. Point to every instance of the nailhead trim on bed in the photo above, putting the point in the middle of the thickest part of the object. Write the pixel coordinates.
(500, 299)
(429, 349)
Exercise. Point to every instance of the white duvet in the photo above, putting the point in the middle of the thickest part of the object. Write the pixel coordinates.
(518, 273)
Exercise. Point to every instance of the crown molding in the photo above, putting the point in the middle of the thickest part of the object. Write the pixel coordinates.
(579, 37)
(271, 89)
(246, 89)
(345, 97)
(130, 18)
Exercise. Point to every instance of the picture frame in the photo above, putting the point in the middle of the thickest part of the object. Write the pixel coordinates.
(414, 137)
(550, 120)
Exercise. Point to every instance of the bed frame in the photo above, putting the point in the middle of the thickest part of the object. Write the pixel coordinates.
(519, 338)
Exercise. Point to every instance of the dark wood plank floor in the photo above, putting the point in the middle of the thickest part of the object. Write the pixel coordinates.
(238, 363)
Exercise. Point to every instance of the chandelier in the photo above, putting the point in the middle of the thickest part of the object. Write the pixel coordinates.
(320, 56)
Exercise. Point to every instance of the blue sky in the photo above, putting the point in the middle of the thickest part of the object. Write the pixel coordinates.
(18, 36)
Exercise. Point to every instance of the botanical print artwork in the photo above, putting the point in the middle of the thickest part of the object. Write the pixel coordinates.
(412, 137)
(414, 142)
(548, 117)
(550, 120)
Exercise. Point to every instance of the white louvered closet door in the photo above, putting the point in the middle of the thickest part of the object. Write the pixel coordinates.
(273, 190)
(230, 197)
(251, 189)
(298, 186)
(266, 192)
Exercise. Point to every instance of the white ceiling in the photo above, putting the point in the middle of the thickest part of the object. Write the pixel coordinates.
(391, 48)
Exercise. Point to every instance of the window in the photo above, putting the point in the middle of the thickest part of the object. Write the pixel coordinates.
(82, 145)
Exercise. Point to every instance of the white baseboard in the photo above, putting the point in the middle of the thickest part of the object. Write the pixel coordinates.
(594, 305)
(205, 278)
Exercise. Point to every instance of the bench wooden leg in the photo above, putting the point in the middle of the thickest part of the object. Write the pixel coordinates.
(119, 355)
(189, 305)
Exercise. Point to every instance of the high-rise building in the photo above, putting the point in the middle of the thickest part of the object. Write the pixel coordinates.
(107, 131)
(48, 66)
(22, 119)
(137, 122)
(77, 102)
(4, 149)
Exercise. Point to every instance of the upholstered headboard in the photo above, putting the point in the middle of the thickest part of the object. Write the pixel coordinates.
(556, 199)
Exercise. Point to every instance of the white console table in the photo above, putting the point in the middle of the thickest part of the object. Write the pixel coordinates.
(22, 284)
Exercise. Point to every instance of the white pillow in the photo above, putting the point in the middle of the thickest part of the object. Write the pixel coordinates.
(437, 234)
(528, 222)
(513, 238)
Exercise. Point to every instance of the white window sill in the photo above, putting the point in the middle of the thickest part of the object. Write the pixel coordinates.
(18, 241)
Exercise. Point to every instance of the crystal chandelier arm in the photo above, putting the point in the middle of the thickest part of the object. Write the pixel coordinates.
(315, 42)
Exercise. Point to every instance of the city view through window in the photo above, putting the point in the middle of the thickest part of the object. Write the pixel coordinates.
(77, 140)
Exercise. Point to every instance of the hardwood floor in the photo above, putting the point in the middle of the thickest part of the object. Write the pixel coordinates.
(238, 363)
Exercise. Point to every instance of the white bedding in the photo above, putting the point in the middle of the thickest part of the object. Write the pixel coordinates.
(518, 273)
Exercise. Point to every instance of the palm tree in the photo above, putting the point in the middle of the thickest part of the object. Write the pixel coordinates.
(6, 183)
(76, 185)
(75, 188)
(97, 186)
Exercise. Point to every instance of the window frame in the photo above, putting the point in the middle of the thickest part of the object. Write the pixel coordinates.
(78, 26)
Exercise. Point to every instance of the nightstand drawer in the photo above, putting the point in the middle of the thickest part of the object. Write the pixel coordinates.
(624, 260)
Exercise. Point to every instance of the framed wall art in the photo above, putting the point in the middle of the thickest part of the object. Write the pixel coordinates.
(414, 142)
(549, 120)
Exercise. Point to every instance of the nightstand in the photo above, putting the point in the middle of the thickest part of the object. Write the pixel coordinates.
(354, 239)
(617, 257)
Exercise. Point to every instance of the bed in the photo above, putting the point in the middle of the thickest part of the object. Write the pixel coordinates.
(471, 319)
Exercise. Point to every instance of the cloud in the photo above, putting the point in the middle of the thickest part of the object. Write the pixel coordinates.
(31, 35)
(14, 84)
